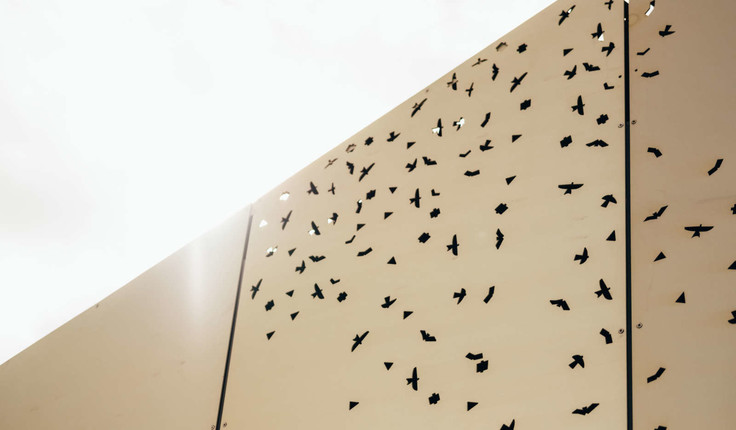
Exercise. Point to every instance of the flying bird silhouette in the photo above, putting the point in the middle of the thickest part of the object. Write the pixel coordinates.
(471, 356)
(571, 73)
(699, 229)
(427, 337)
(604, 290)
(644, 52)
(317, 294)
(499, 238)
(590, 68)
(577, 360)
(602, 119)
(578, 107)
(608, 198)
(472, 173)
(470, 90)
(285, 220)
(510, 426)
(494, 72)
(733, 319)
(269, 305)
(417, 107)
(526, 104)
(342, 296)
(597, 142)
(415, 200)
(569, 187)
(607, 336)
(479, 61)
(486, 119)
(464, 154)
(516, 82)
(364, 253)
(560, 303)
(317, 258)
(301, 268)
(598, 33)
(666, 31)
(412, 166)
(387, 302)
(358, 340)
(365, 170)
(351, 167)
(255, 288)
(459, 123)
(434, 398)
(501, 208)
(438, 130)
(486, 146)
(582, 257)
(481, 366)
(424, 237)
(566, 141)
(656, 214)
(565, 14)
(650, 74)
(585, 410)
(459, 295)
(428, 161)
(315, 229)
(453, 82)
(608, 49)
(454, 245)
(312, 189)
(414, 380)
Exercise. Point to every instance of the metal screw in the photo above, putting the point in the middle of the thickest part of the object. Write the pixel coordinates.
(633, 122)
(640, 325)
(620, 331)
(620, 126)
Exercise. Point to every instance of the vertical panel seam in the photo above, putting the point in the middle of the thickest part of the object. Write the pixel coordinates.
(627, 169)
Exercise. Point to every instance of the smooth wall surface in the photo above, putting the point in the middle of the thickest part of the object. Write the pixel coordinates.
(150, 356)
(683, 171)
(469, 279)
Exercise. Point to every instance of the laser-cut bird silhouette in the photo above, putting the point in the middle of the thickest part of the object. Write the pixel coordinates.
(598, 33)
(577, 360)
(317, 294)
(365, 170)
(481, 366)
(526, 104)
(657, 153)
(255, 288)
(470, 90)
(499, 238)
(459, 123)
(606, 335)
(454, 245)
(463, 155)
(569, 187)
(510, 426)
(312, 189)
(285, 220)
(364, 253)
(560, 303)
(472, 173)
(582, 257)
(585, 410)
(351, 167)
(717, 166)
(601, 119)
(486, 146)
(435, 213)
(358, 340)
(494, 72)
(387, 302)
(315, 229)
(666, 31)
(578, 107)
(608, 198)
(607, 87)
(412, 166)
(501, 208)
(342, 296)
(392, 136)
(608, 49)
(656, 214)
(733, 319)
(565, 14)
(571, 73)
(656, 375)
(489, 296)
(644, 52)
(516, 82)
(348, 242)
(424, 237)
(417, 107)
(699, 229)
(598, 142)
(317, 258)
(453, 82)
(414, 380)
(609, 3)
(438, 130)
(428, 161)
(330, 162)
(415, 200)
(486, 119)
(459, 295)
(479, 61)
(427, 337)
(301, 268)
(604, 290)
(590, 68)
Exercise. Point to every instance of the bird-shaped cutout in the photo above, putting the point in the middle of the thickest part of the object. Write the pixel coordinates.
(656, 375)
(429, 162)
(364, 171)
(699, 229)
(269, 305)
(598, 142)
(469, 90)
(501, 208)
(590, 67)
(582, 257)
(578, 107)
(577, 360)
(681, 298)
(585, 410)
(510, 179)
(571, 73)
(499, 238)
(569, 187)
(604, 290)
(427, 337)
(392, 261)
(424, 237)
(666, 31)
(501, 46)
(644, 52)
(411, 166)
(312, 189)
(607, 87)
(434, 398)
(291, 251)
(517, 81)
(609, 3)
(515, 137)
(472, 356)
(657, 153)
(317, 294)
(387, 302)
(608, 49)
(316, 258)
(606, 335)
(607, 199)
(598, 33)
(459, 123)
(565, 14)
(417, 107)
(334, 281)
(285, 220)
(350, 148)
(255, 288)
(454, 245)
(717, 166)
(290, 293)
(349, 241)
(510, 426)
(459, 295)
(465, 154)
(471, 405)
(369, 139)
(438, 130)
(315, 230)
(330, 162)
(301, 268)
(435, 193)
(351, 167)
(414, 380)
(486, 119)
(409, 144)
(453, 82)
(486, 146)
(560, 303)
(733, 318)
(566, 141)
(479, 61)
(656, 214)
(416, 199)
(489, 296)
(358, 340)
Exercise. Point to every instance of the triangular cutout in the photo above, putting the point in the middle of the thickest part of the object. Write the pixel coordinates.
(510, 179)
(471, 405)
(407, 313)
(269, 335)
(661, 256)
(352, 405)
(388, 364)
(392, 261)
(612, 237)
(681, 299)
(290, 293)
(291, 251)
(293, 316)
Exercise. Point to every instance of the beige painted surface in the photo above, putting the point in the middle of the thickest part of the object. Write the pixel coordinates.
(305, 375)
(687, 112)
(150, 356)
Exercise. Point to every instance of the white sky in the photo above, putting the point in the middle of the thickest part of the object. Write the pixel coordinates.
(128, 128)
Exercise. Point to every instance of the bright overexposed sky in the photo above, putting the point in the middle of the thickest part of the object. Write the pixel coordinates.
(128, 128)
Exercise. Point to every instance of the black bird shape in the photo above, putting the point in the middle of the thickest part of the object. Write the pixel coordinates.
(582, 257)
(435, 213)
(486, 146)
(459, 123)
(585, 410)
(608, 49)
(607, 336)
(453, 82)
(657, 153)
(577, 360)
(470, 90)
(435, 193)
(438, 130)
(417, 107)
(733, 209)
(481, 366)
(387, 302)
(486, 119)
(510, 426)
(459, 296)
(499, 238)
(650, 74)
(719, 162)
(415, 200)
(578, 107)
(317, 258)
(656, 375)
(317, 292)
(501, 208)
(480, 60)
(517, 81)
(605, 291)
(598, 32)
(699, 229)
(565, 14)
(464, 154)
(428, 161)
(301, 268)
(609, 3)
(312, 189)
(489, 296)
(569, 187)
(350, 148)
(414, 380)
(392, 136)
(495, 72)
(285, 220)
(412, 166)
(597, 142)
(365, 170)
(358, 340)
(348, 242)
(315, 229)
(255, 288)
(657, 214)
(351, 167)
(644, 52)
(608, 198)
(333, 219)
(424, 237)
(560, 303)
(571, 73)
(427, 337)
(666, 31)
(500, 46)
(330, 162)
(342, 296)
(590, 67)
(453, 246)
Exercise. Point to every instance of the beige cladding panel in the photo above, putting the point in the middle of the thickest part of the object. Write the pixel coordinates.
(319, 272)
(682, 99)
(150, 356)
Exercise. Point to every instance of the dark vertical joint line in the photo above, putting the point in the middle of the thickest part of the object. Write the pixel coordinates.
(232, 327)
(627, 168)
